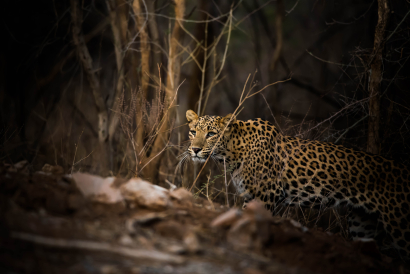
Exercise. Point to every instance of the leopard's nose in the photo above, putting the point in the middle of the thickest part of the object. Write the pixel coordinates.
(196, 150)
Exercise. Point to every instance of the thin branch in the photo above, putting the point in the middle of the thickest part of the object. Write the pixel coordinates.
(384, 92)
(397, 27)
(333, 63)
(336, 114)
(349, 128)
(294, 6)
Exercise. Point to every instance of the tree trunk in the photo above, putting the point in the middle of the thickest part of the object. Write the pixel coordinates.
(279, 35)
(141, 14)
(174, 63)
(141, 25)
(118, 36)
(86, 61)
(154, 35)
(174, 66)
(196, 72)
(376, 74)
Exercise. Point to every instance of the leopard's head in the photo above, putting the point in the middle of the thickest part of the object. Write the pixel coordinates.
(208, 135)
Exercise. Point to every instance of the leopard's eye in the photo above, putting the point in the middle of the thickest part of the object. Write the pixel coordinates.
(193, 132)
(210, 134)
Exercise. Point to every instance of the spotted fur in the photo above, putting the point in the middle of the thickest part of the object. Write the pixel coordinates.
(278, 169)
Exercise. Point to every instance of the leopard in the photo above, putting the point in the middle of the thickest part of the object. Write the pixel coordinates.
(281, 170)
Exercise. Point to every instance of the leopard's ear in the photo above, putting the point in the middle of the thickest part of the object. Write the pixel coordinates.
(191, 116)
(227, 121)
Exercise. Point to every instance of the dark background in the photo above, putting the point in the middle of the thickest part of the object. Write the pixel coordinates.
(48, 113)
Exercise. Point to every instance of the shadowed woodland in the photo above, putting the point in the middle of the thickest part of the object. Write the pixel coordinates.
(103, 86)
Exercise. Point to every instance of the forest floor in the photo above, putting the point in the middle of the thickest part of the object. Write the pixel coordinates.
(47, 225)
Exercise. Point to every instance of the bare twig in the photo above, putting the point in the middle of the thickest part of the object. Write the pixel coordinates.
(294, 6)
(337, 114)
(398, 25)
(355, 18)
(333, 63)
(349, 128)
(384, 92)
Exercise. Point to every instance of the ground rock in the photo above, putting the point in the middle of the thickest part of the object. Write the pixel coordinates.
(248, 229)
(98, 189)
(145, 194)
(228, 218)
(191, 242)
(181, 194)
(19, 166)
(148, 218)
